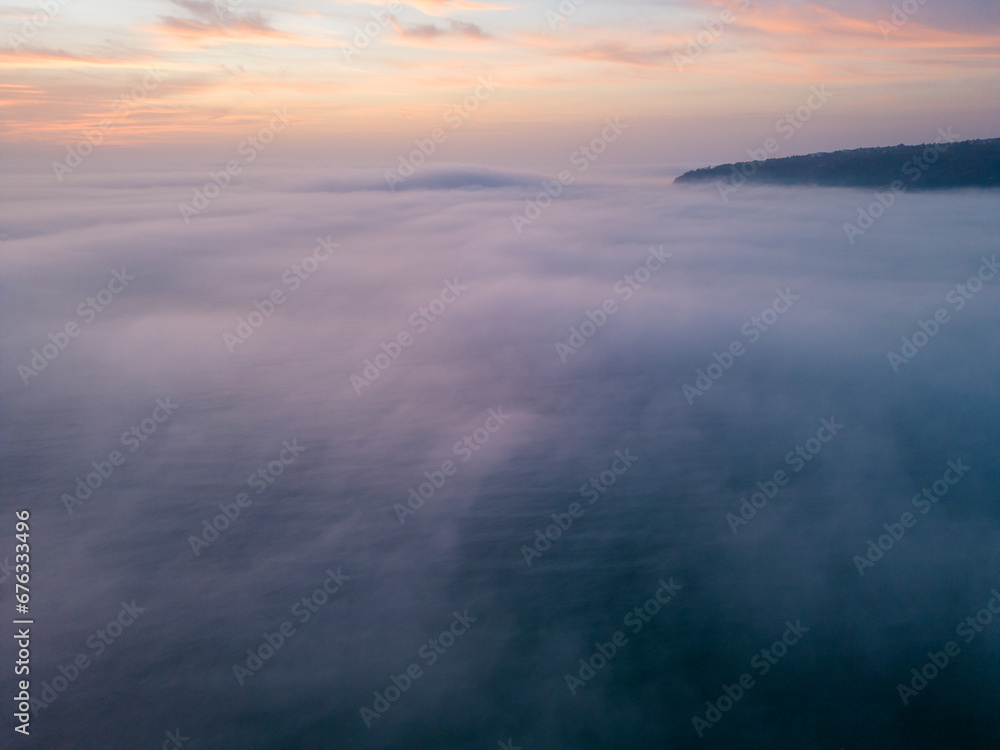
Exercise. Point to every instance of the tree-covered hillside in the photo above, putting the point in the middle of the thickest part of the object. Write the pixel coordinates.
(927, 167)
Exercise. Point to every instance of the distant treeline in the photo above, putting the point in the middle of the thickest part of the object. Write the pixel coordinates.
(933, 166)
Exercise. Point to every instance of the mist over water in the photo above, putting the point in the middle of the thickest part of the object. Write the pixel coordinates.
(513, 297)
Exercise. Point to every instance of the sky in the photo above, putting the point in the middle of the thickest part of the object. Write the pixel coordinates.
(699, 80)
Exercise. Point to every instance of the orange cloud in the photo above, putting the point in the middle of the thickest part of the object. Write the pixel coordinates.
(56, 59)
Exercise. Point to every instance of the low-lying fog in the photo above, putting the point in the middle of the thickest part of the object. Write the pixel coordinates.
(717, 345)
